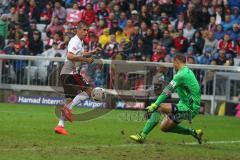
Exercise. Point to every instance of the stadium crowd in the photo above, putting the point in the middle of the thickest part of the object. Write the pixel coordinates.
(207, 31)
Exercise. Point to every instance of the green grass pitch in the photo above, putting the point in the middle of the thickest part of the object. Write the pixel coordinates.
(26, 132)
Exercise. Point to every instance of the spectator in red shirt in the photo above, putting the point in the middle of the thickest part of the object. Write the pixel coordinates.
(89, 15)
(54, 27)
(238, 48)
(57, 39)
(34, 11)
(159, 54)
(226, 43)
(46, 14)
(180, 42)
(21, 5)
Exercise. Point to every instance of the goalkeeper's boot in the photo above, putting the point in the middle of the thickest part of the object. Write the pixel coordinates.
(138, 137)
(67, 113)
(60, 130)
(197, 134)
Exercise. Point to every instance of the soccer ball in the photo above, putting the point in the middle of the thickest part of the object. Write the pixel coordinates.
(98, 94)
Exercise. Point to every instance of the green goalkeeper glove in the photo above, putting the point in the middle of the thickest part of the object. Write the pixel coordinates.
(152, 107)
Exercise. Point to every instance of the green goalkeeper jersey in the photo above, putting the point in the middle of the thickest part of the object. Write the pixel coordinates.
(187, 87)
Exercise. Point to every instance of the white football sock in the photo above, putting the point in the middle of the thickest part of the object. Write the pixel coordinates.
(61, 121)
(80, 97)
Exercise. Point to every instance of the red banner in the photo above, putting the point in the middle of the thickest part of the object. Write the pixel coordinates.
(74, 15)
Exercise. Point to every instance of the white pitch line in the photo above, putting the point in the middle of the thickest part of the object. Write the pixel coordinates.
(212, 142)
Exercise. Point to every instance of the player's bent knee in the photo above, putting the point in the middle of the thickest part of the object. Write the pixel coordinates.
(166, 124)
(164, 128)
(68, 100)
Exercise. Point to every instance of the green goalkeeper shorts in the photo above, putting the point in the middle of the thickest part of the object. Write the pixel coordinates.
(181, 112)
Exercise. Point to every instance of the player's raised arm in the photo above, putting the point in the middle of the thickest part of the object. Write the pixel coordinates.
(83, 56)
(78, 58)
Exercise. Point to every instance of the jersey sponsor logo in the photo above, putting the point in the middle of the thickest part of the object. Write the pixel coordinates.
(173, 83)
(74, 48)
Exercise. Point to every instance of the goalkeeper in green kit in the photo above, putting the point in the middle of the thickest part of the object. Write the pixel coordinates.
(188, 90)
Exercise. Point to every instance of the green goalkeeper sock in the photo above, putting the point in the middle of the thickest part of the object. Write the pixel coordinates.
(182, 130)
(151, 123)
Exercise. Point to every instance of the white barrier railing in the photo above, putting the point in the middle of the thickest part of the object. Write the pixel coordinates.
(106, 61)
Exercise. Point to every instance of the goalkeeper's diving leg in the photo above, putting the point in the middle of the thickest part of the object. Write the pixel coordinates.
(170, 123)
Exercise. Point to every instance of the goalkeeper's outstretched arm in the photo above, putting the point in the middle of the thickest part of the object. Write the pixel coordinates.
(166, 93)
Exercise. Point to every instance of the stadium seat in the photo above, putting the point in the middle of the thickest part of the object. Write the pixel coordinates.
(8, 74)
(236, 61)
(45, 42)
(32, 71)
(6, 41)
(40, 63)
(42, 74)
(41, 27)
(44, 37)
(37, 74)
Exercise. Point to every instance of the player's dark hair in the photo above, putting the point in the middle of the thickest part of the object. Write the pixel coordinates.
(82, 24)
(180, 57)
